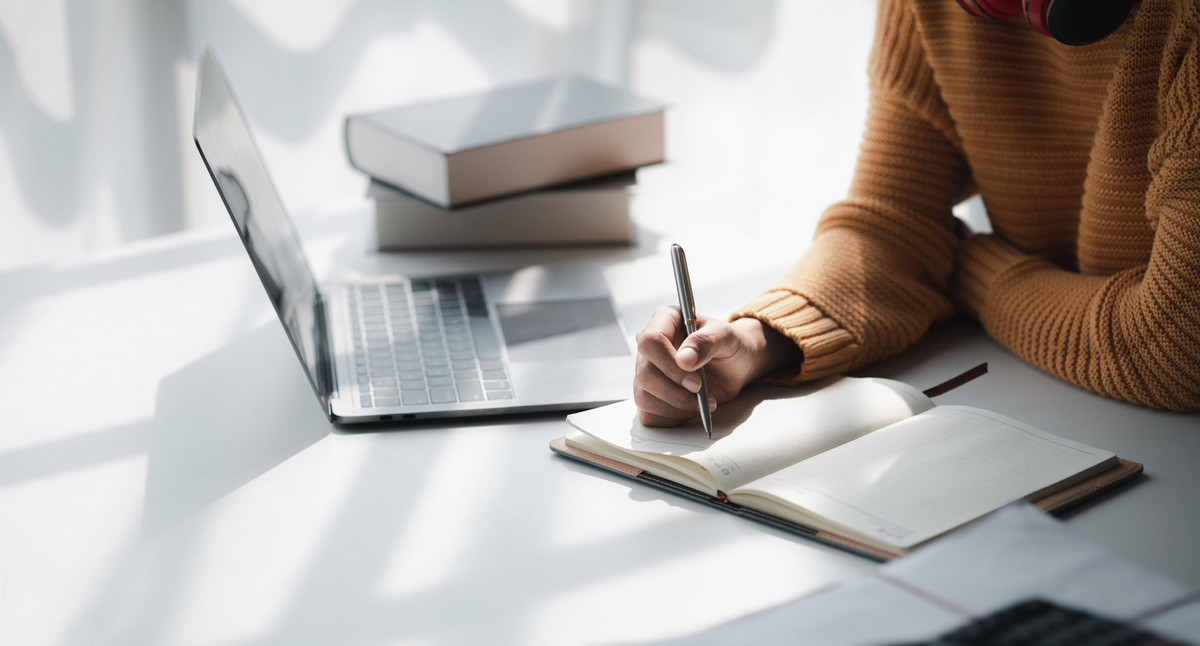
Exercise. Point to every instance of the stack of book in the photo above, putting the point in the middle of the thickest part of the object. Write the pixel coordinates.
(540, 163)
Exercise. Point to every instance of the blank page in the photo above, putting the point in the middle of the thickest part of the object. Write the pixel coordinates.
(929, 474)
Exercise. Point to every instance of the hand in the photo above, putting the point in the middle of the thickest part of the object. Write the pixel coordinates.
(732, 355)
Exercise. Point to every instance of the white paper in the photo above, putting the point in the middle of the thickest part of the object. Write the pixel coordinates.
(1014, 554)
(925, 475)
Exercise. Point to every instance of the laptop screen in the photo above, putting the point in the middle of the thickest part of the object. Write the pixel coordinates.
(227, 146)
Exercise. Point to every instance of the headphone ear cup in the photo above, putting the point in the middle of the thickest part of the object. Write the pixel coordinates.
(1078, 22)
(1071, 22)
(992, 8)
(1035, 13)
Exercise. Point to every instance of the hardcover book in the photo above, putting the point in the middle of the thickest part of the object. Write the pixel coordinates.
(583, 213)
(511, 139)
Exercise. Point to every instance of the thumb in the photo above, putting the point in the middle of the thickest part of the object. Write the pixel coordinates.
(702, 345)
(688, 357)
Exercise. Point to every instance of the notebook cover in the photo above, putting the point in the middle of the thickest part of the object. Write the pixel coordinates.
(1123, 471)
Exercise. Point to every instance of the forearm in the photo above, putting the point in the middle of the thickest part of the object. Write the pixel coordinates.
(1133, 336)
(876, 275)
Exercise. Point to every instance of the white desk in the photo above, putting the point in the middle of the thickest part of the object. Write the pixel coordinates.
(166, 476)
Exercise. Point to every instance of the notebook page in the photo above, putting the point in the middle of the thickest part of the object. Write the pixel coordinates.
(928, 474)
(765, 428)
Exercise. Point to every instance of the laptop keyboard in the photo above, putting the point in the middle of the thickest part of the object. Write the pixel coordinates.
(1041, 623)
(425, 342)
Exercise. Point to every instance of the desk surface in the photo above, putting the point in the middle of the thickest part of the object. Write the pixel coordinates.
(166, 475)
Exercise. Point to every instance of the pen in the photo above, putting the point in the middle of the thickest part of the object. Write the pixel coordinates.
(687, 304)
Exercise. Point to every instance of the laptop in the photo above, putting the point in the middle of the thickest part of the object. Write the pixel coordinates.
(408, 348)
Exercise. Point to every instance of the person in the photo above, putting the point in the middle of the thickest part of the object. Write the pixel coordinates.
(1087, 159)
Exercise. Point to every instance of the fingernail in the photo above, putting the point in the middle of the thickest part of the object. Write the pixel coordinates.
(691, 382)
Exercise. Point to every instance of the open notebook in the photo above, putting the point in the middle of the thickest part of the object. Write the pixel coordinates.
(872, 465)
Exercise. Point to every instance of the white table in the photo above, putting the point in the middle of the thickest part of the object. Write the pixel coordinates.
(167, 477)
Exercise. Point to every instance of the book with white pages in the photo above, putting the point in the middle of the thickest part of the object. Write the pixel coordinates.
(591, 212)
(508, 139)
(870, 465)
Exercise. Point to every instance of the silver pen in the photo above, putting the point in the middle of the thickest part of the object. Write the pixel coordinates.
(687, 304)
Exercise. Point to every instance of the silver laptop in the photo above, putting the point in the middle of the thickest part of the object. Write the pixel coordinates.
(539, 338)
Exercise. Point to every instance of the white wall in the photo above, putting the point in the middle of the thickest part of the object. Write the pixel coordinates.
(96, 98)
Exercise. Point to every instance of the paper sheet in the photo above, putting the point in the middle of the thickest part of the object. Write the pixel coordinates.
(1013, 554)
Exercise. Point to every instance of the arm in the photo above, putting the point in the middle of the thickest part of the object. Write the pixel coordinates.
(877, 273)
(1133, 334)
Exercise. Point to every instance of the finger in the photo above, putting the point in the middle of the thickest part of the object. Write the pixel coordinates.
(657, 341)
(649, 419)
(653, 412)
(666, 321)
(658, 416)
(663, 394)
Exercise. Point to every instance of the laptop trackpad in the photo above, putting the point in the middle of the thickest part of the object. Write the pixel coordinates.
(561, 330)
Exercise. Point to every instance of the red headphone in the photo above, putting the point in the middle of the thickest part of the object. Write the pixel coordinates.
(1073, 22)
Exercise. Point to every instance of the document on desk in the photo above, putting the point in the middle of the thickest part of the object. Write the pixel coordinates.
(1014, 554)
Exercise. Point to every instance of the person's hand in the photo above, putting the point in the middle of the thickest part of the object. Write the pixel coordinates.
(732, 354)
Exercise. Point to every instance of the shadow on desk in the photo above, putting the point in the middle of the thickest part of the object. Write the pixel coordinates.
(201, 451)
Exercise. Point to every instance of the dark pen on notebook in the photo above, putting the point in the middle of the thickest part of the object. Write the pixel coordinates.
(687, 305)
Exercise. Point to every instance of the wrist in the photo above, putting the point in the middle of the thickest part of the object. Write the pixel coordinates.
(769, 349)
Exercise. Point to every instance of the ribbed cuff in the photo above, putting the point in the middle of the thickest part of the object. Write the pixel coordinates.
(981, 260)
(828, 348)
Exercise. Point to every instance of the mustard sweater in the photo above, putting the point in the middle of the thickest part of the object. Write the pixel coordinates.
(1088, 161)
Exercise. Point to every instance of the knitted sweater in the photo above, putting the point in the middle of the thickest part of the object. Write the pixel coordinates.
(1088, 162)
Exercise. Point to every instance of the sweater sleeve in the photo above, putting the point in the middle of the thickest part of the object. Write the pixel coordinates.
(1133, 335)
(877, 273)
